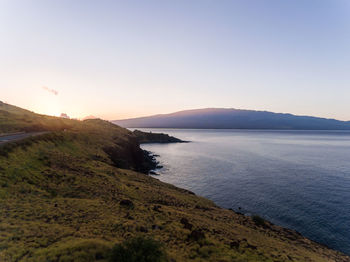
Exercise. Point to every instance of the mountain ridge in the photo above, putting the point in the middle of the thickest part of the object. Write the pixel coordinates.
(231, 118)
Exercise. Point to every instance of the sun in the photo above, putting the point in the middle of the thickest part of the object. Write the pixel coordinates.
(48, 105)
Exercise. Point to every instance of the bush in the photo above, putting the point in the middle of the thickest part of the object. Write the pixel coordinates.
(259, 221)
(138, 250)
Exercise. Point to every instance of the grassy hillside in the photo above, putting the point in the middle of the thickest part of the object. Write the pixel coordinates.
(72, 195)
(15, 119)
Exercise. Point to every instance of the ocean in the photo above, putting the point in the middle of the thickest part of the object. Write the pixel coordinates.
(296, 179)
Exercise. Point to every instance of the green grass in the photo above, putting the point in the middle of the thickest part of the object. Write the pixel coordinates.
(74, 251)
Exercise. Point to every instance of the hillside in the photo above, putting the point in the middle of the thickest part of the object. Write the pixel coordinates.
(216, 118)
(16, 119)
(72, 194)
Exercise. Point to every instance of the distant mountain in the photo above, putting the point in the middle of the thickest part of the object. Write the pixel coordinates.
(220, 118)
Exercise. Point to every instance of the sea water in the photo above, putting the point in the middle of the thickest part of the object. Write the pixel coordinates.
(296, 179)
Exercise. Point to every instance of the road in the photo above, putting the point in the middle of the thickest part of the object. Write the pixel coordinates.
(18, 136)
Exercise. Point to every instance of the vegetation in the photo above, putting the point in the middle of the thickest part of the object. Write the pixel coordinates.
(259, 221)
(72, 194)
(138, 250)
(15, 119)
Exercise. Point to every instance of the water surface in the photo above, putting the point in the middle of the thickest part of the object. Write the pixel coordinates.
(297, 179)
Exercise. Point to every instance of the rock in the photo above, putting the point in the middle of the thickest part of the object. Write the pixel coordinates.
(153, 173)
(157, 208)
(129, 217)
(99, 256)
(258, 221)
(143, 229)
(202, 208)
(251, 246)
(234, 244)
(189, 192)
(155, 227)
(184, 221)
(149, 137)
(127, 203)
(186, 224)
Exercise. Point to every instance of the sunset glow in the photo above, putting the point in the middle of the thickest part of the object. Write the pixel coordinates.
(175, 55)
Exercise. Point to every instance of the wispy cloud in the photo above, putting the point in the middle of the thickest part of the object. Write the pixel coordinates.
(52, 91)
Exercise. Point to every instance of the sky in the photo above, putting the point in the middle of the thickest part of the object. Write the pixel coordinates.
(122, 59)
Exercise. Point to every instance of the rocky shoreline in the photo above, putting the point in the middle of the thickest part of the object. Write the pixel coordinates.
(148, 138)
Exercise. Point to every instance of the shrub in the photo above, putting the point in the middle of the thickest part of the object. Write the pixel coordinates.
(259, 221)
(138, 250)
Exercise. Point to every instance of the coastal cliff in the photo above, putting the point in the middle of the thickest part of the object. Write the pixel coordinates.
(149, 137)
(73, 193)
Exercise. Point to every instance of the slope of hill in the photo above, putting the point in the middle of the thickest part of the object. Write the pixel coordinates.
(15, 119)
(234, 118)
(70, 195)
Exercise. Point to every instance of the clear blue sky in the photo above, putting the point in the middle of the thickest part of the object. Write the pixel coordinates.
(118, 59)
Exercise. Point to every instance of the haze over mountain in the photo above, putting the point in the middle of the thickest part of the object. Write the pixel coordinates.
(220, 118)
